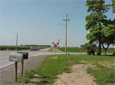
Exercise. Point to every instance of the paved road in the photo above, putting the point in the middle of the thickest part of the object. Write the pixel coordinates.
(4, 55)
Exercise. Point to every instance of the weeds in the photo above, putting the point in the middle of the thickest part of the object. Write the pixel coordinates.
(103, 75)
(28, 74)
(50, 68)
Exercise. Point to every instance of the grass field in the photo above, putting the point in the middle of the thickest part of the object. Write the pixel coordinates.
(111, 50)
(51, 67)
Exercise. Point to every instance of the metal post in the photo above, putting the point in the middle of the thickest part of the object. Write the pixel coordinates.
(16, 71)
(22, 67)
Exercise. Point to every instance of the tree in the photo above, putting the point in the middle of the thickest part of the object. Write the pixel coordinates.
(109, 31)
(113, 5)
(95, 21)
(108, 35)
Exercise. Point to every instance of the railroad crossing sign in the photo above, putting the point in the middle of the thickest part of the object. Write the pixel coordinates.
(55, 45)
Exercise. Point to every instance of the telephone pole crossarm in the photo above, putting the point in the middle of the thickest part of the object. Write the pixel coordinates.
(66, 20)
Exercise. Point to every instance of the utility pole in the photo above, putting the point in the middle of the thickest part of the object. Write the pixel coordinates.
(16, 61)
(16, 41)
(66, 32)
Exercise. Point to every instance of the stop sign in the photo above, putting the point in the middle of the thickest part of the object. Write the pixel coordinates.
(55, 45)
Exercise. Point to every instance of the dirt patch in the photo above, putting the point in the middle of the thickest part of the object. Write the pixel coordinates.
(36, 78)
(53, 57)
(78, 76)
(70, 61)
(56, 50)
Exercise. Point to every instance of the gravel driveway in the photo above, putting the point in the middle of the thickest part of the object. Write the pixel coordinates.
(7, 74)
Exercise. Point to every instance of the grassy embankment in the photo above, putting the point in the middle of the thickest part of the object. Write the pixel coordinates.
(51, 67)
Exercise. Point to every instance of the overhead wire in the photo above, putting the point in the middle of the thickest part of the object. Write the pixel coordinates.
(75, 9)
(65, 9)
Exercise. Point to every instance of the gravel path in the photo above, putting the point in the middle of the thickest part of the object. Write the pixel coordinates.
(7, 74)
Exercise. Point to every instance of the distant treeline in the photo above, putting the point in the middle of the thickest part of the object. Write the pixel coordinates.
(38, 45)
(22, 47)
(14, 47)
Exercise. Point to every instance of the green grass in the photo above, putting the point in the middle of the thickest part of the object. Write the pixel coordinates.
(91, 59)
(73, 49)
(28, 74)
(103, 75)
(51, 67)
(111, 50)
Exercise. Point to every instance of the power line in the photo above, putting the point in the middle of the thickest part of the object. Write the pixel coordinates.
(75, 9)
(65, 8)
(74, 5)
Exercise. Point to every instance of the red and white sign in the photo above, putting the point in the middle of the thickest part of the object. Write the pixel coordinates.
(55, 45)
(52, 42)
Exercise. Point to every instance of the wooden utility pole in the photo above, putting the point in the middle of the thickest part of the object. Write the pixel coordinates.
(16, 61)
(66, 32)
(16, 41)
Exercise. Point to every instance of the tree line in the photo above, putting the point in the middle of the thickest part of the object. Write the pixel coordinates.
(37, 45)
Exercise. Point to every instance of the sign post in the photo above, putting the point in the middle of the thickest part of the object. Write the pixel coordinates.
(25, 56)
(18, 57)
(16, 71)
(22, 67)
(15, 57)
(55, 45)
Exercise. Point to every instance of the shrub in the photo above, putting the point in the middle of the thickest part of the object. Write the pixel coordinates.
(91, 48)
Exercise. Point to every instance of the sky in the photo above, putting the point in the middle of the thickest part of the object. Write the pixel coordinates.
(37, 22)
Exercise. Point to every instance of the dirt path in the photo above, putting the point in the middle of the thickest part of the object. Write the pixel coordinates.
(78, 76)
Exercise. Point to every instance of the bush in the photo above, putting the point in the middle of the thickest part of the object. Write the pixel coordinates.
(91, 48)
(91, 52)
